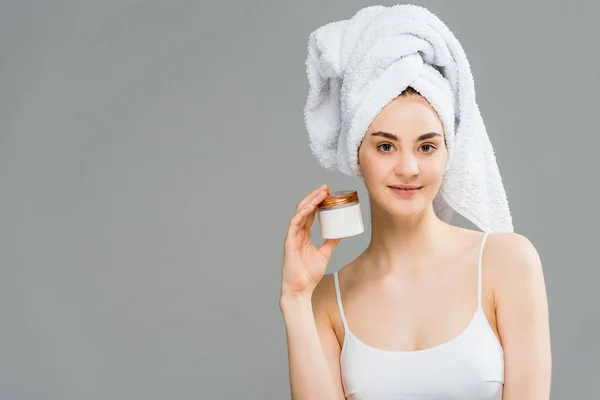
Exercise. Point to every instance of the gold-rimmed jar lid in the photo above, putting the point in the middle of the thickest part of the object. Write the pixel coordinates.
(339, 198)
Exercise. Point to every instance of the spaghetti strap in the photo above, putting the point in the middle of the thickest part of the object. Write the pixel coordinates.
(485, 235)
(339, 300)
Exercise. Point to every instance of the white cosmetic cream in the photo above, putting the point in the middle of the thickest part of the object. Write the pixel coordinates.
(340, 215)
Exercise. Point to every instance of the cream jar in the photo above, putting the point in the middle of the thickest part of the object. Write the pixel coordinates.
(340, 215)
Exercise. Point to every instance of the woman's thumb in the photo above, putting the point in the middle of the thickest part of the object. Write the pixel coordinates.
(327, 247)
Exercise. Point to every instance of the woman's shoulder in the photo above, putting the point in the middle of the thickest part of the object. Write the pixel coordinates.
(511, 247)
(325, 288)
(504, 246)
(509, 258)
(324, 297)
(325, 305)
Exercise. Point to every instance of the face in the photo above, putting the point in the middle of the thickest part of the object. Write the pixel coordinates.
(403, 147)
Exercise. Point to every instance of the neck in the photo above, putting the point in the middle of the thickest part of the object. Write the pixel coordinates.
(401, 244)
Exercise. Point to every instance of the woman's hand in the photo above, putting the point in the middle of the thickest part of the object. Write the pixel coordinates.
(303, 264)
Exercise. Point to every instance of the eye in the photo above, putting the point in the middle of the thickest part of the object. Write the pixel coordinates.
(429, 146)
(381, 148)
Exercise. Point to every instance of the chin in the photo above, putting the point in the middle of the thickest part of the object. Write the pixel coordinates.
(409, 206)
(403, 207)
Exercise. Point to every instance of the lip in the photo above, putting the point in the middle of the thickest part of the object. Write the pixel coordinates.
(410, 190)
(405, 186)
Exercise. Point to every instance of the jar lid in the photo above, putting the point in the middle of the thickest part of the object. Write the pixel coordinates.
(338, 198)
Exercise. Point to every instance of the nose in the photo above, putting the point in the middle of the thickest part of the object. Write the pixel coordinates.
(407, 165)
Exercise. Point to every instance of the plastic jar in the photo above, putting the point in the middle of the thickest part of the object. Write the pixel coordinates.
(340, 215)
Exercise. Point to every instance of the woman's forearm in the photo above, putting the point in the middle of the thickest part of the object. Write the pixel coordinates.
(310, 376)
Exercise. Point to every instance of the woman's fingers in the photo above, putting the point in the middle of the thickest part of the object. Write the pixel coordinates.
(305, 212)
(311, 196)
(298, 220)
(328, 246)
(315, 202)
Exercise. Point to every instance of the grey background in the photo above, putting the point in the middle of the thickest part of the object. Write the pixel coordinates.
(152, 153)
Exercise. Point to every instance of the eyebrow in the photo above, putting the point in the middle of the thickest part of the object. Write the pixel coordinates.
(391, 136)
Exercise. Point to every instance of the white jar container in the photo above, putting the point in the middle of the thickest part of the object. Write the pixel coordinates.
(340, 215)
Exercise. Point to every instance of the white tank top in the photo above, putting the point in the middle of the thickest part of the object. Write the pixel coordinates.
(468, 367)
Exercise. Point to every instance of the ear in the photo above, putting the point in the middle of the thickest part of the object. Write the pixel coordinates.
(358, 159)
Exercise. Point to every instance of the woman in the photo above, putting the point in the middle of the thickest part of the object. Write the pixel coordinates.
(428, 311)
(410, 314)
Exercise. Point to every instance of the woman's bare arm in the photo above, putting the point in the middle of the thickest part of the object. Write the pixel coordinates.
(522, 317)
(313, 348)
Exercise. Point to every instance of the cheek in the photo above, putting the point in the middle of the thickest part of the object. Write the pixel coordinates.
(434, 169)
(376, 166)
(367, 160)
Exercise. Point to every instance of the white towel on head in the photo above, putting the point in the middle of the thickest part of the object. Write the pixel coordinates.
(357, 66)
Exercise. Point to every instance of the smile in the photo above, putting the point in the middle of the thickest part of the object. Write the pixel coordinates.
(405, 192)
